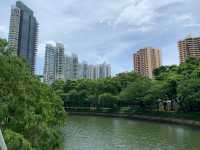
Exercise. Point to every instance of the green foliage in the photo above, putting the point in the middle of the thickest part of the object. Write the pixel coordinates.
(29, 110)
(181, 82)
(58, 86)
(107, 85)
(85, 93)
(3, 43)
(74, 98)
(187, 70)
(136, 91)
(107, 100)
(131, 89)
(154, 93)
(16, 141)
(189, 95)
(126, 79)
(4, 50)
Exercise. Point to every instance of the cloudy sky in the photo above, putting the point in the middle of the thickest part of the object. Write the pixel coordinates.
(110, 30)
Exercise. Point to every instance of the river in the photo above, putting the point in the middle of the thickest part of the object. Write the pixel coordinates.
(99, 133)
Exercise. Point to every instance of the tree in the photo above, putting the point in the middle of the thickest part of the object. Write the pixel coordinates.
(153, 95)
(134, 94)
(58, 87)
(30, 111)
(93, 100)
(69, 85)
(107, 85)
(3, 44)
(107, 100)
(126, 79)
(16, 141)
(189, 95)
(72, 99)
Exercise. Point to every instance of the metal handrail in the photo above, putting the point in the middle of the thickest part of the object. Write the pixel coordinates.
(2, 142)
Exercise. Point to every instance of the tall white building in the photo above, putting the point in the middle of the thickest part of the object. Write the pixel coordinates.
(60, 61)
(50, 64)
(75, 67)
(54, 63)
(91, 72)
(68, 73)
(99, 71)
(84, 70)
(64, 67)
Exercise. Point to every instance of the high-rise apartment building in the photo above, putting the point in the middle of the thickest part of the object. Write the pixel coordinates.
(54, 63)
(59, 66)
(23, 33)
(83, 70)
(68, 68)
(189, 47)
(72, 67)
(104, 70)
(91, 72)
(60, 61)
(99, 71)
(146, 60)
(50, 65)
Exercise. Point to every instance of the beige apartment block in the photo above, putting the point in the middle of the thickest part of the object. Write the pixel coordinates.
(146, 60)
(189, 47)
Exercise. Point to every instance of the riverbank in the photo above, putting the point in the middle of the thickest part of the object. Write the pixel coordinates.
(159, 117)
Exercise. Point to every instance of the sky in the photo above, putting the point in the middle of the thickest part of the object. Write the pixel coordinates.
(110, 30)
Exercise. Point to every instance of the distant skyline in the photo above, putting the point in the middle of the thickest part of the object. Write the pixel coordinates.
(110, 31)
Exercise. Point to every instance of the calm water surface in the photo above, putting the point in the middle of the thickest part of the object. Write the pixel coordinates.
(99, 133)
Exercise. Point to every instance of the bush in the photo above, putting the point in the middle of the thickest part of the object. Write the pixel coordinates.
(189, 95)
(108, 100)
(16, 141)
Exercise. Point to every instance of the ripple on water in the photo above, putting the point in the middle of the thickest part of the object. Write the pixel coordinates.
(99, 133)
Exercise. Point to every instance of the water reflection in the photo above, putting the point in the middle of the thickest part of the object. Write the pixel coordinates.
(98, 133)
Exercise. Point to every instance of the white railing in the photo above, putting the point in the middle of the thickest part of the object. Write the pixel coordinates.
(2, 142)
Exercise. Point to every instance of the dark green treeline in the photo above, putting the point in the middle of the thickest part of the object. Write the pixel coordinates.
(179, 84)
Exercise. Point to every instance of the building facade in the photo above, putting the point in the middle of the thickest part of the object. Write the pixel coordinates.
(83, 70)
(75, 67)
(91, 72)
(23, 33)
(72, 67)
(60, 61)
(146, 60)
(189, 47)
(59, 66)
(68, 68)
(49, 66)
(99, 71)
(54, 63)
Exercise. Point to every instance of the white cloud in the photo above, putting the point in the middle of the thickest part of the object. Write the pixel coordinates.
(137, 14)
(192, 25)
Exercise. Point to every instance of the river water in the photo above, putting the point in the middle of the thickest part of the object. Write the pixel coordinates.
(99, 133)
